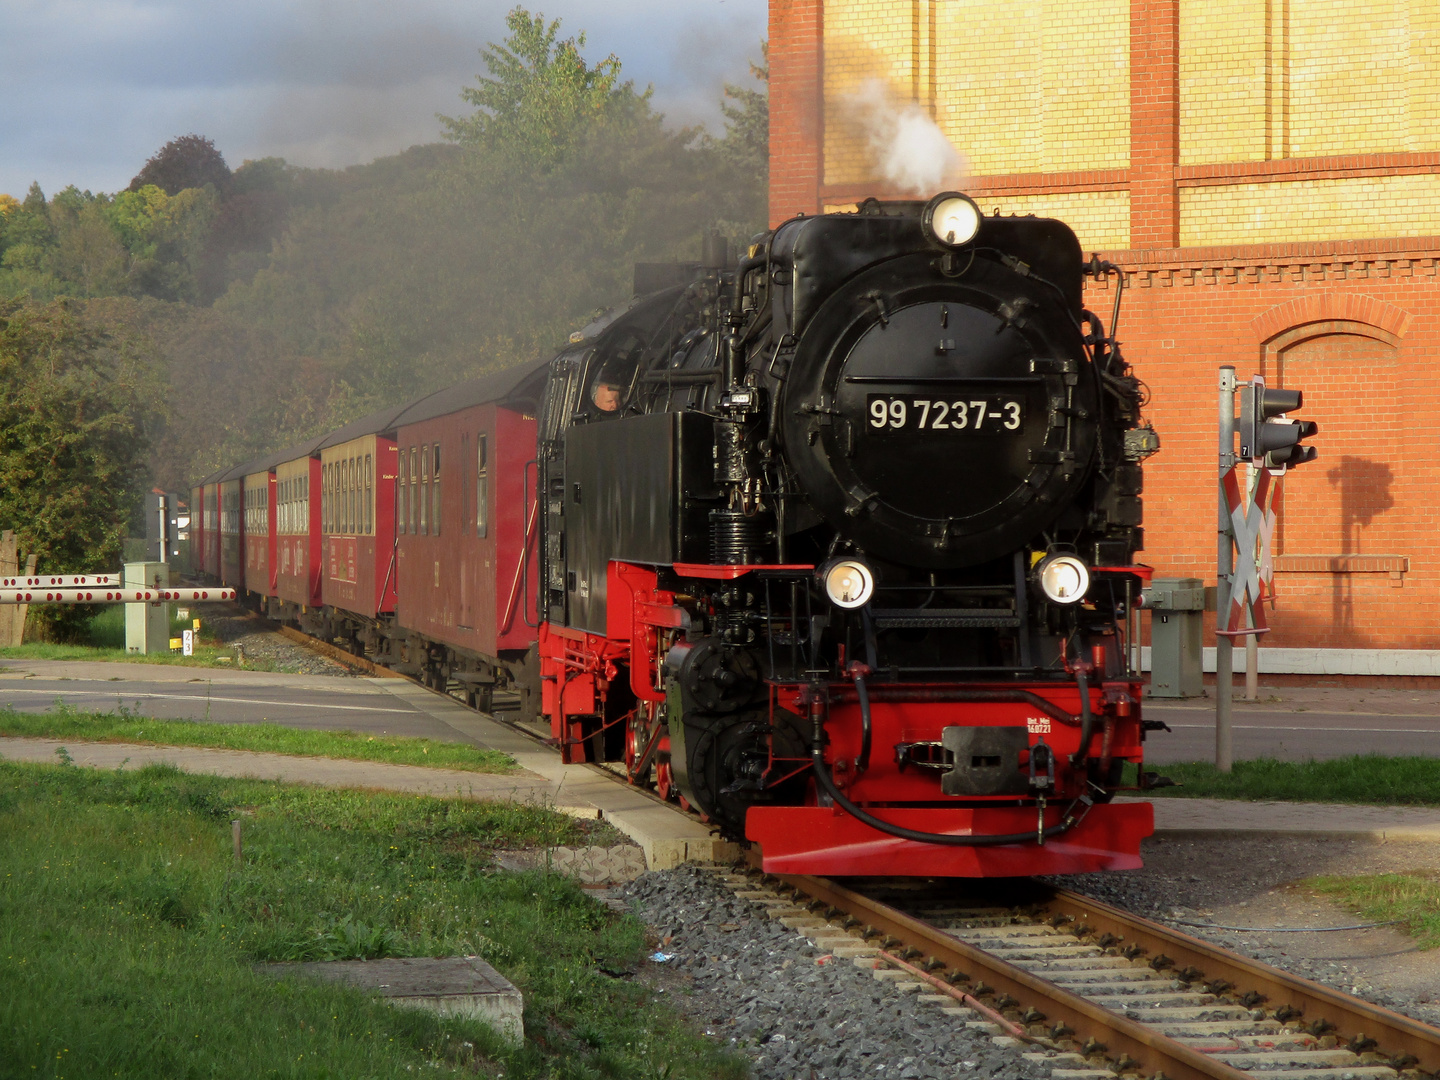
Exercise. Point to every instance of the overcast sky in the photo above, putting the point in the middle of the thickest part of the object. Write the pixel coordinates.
(91, 88)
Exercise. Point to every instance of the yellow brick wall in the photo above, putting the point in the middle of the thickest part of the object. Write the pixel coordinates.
(1025, 86)
(1352, 209)
(1101, 219)
(1271, 79)
(1424, 76)
(864, 40)
(1348, 79)
(1223, 96)
(1018, 85)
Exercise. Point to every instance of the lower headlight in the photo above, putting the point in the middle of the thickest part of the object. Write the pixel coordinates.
(1064, 579)
(849, 583)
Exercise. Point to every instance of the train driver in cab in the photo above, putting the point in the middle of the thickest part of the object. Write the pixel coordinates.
(606, 395)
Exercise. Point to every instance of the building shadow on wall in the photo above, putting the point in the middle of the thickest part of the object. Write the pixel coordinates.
(1364, 489)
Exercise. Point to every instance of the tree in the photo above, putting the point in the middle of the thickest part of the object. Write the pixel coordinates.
(541, 93)
(746, 143)
(72, 446)
(191, 161)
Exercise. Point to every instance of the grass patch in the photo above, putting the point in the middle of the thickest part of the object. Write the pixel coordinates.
(127, 935)
(107, 643)
(1368, 779)
(122, 725)
(1411, 899)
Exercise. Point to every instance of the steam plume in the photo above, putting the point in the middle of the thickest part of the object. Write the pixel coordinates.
(910, 150)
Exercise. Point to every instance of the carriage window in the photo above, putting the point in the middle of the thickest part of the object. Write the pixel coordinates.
(352, 475)
(369, 491)
(425, 490)
(435, 494)
(482, 486)
(325, 498)
(402, 491)
(414, 487)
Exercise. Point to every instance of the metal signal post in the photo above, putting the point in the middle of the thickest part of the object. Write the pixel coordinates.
(1271, 443)
(1225, 566)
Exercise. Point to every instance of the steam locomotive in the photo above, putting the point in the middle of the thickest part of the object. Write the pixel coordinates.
(838, 545)
(834, 543)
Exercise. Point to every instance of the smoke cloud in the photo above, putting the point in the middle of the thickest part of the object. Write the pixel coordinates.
(909, 149)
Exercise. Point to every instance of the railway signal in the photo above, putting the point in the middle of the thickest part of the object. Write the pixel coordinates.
(1267, 437)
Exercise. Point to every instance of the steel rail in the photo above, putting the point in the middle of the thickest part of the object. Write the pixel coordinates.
(1349, 1018)
(1130, 1044)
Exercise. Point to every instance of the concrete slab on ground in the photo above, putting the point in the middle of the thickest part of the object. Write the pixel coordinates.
(451, 986)
(588, 865)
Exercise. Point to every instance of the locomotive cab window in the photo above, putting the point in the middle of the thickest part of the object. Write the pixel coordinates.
(612, 377)
(482, 487)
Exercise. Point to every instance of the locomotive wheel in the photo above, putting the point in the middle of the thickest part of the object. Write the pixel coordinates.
(636, 738)
(667, 789)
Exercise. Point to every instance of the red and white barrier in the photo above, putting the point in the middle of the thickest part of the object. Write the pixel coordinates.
(63, 581)
(113, 595)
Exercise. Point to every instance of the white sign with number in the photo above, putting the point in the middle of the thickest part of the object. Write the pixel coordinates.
(188, 637)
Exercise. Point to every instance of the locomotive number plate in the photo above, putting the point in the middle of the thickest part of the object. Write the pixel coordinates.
(994, 414)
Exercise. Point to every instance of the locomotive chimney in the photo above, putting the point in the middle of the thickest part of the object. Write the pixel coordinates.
(714, 251)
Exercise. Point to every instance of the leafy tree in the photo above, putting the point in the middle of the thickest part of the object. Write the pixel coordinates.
(746, 144)
(190, 161)
(540, 94)
(72, 444)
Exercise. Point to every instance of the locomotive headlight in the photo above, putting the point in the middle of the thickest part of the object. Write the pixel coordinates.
(1064, 579)
(849, 583)
(952, 218)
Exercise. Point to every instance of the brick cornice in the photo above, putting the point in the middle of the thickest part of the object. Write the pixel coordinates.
(1319, 251)
(1336, 167)
(1335, 260)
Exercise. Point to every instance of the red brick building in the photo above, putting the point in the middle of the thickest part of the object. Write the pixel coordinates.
(1268, 181)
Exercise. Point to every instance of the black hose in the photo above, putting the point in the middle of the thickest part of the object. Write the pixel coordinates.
(1087, 718)
(863, 761)
(822, 774)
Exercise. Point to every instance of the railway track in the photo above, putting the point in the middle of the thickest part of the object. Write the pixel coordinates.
(1095, 991)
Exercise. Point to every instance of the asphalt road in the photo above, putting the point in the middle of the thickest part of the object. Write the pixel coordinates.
(372, 706)
(1299, 724)
(1290, 724)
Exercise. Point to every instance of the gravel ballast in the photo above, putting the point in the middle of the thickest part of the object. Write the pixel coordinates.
(256, 641)
(745, 978)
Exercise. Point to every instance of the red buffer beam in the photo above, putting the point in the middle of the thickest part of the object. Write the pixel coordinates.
(111, 596)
